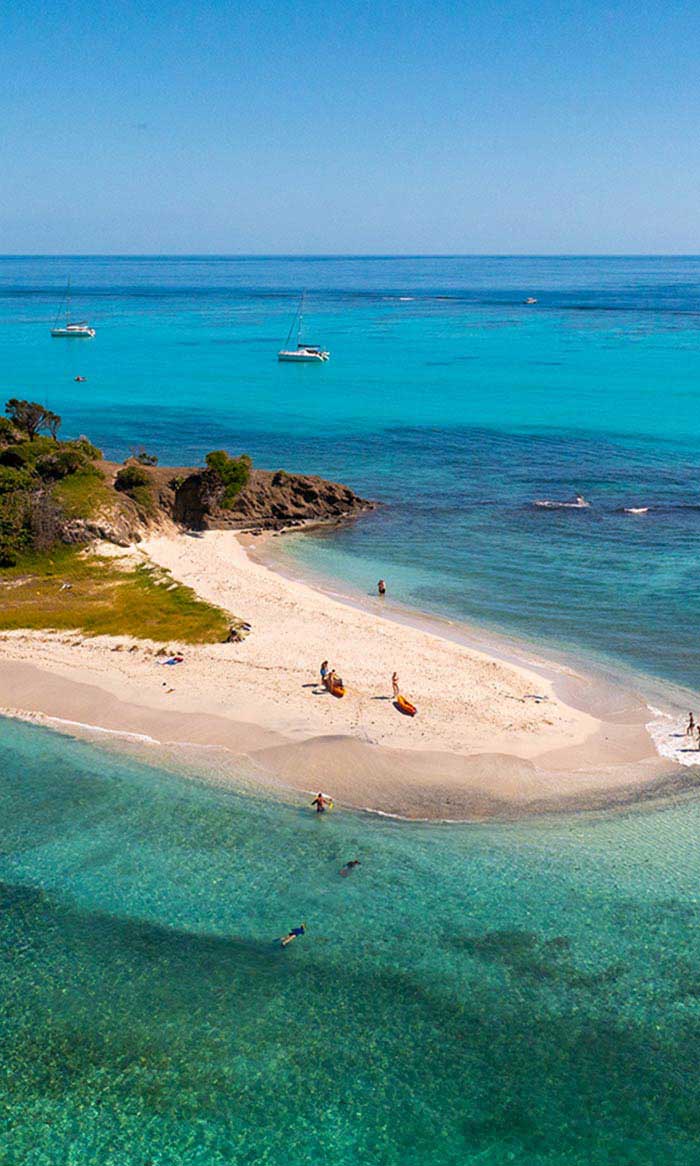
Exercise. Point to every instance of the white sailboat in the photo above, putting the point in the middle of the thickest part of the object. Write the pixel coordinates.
(303, 353)
(81, 331)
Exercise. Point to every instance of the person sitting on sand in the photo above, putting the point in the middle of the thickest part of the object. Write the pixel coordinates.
(689, 732)
(293, 934)
(349, 866)
(324, 672)
(395, 684)
(320, 803)
(381, 587)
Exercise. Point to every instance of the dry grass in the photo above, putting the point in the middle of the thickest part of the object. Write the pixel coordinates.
(105, 598)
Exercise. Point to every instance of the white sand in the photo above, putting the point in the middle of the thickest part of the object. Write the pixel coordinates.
(478, 744)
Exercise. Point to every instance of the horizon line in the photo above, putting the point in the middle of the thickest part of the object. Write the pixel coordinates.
(350, 255)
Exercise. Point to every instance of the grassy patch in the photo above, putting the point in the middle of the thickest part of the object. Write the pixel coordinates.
(82, 495)
(105, 598)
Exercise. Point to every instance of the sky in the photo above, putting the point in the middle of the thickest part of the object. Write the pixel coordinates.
(307, 127)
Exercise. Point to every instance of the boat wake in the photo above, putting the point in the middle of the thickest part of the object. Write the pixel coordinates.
(578, 503)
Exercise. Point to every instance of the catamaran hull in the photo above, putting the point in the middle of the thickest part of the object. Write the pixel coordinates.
(303, 357)
(65, 334)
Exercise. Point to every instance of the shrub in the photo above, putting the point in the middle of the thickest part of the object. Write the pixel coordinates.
(232, 473)
(7, 432)
(26, 453)
(90, 451)
(13, 480)
(131, 477)
(143, 458)
(15, 528)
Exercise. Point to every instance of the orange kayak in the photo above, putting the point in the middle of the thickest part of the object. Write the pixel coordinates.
(404, 706)
(336, 690)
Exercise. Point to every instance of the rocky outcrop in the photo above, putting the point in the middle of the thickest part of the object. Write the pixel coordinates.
(192, 498)
(269, 501)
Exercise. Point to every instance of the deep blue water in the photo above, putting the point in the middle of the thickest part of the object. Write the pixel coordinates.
(446, 398)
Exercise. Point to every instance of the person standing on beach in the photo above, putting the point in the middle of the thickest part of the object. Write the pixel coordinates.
(691, 726)
(697, 730)
(381, 587)
(395, 684)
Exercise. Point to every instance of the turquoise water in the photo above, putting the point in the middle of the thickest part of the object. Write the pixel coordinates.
(446, 397)
(525, 994)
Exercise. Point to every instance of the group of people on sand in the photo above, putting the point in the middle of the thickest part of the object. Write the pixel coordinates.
(329, 677)
(692, 729)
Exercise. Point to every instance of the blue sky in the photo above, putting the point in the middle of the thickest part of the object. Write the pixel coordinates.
(524, 126)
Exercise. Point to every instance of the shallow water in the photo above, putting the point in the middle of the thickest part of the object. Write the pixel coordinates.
(524, 994)
(445, 397)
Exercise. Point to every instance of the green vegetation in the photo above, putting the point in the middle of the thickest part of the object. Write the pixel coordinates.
(45, 582)
(30, 417)
(233, 473)
(83, 494)
(136, 482)
(70, 589)
(37, 472)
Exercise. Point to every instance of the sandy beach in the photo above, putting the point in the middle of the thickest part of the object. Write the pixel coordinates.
(490, 738)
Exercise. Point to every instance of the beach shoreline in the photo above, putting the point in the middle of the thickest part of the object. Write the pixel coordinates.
(492, 738)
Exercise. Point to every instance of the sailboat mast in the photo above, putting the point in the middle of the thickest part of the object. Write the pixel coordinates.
(300, 318)
(68, 303)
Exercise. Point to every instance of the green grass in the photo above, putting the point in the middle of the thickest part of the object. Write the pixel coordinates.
(105, 599)
(81, 495)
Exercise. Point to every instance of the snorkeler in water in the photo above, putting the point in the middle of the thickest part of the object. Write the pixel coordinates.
(293, 934)
(349, 866)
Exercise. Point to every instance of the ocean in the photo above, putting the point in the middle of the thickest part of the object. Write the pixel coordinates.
(446, 398)
(493, 994)
(490, 994)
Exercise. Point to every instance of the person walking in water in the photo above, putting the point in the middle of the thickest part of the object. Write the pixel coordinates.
(381, 587)
(395, 684)
(320, 803)
(690, 731)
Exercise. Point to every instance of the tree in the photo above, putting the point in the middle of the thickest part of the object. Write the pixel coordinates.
(233, 473)
(30, 417)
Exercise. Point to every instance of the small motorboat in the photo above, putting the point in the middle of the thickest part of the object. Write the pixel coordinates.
(404, 706)
(530, 300)
(80, 380)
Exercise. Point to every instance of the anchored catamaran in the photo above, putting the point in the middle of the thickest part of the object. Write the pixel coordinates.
(80, 331)
(303, 353)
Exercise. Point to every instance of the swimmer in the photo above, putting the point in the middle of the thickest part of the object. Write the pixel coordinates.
(293, 934)
(381, 587)
(349, 866)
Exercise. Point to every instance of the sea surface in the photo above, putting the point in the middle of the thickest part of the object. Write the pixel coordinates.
(495, 994)
(527, 994)
(446, 398)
